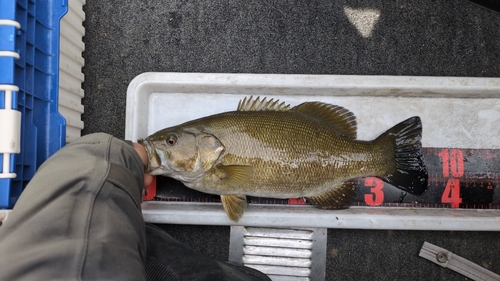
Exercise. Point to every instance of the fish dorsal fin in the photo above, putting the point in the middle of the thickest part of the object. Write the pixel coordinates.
(340, 118)
(339, 197)
(234, 205)
(255, 104)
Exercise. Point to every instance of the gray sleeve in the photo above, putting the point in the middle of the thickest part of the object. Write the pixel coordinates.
(79, 217)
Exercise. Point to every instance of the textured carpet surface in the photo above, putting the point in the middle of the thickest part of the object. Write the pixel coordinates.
(410, 38)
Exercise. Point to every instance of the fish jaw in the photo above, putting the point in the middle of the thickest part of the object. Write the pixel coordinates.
(156, 161)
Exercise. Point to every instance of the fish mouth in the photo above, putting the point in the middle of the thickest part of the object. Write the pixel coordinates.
(154, 161)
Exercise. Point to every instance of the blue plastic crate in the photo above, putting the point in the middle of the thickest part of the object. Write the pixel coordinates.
(29, 60)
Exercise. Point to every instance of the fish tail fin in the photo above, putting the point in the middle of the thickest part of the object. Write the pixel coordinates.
(409, 172)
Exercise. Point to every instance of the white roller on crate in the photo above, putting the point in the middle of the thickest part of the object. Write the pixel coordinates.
(10, 126)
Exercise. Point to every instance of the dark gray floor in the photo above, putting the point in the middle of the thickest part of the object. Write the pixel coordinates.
(431, 38)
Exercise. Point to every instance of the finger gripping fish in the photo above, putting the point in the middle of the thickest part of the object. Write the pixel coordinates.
(269, 149)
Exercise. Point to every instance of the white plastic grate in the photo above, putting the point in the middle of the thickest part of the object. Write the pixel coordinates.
(282, 254)
(70, 69)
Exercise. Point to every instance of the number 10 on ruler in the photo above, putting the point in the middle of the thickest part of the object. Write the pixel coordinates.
(453, 164)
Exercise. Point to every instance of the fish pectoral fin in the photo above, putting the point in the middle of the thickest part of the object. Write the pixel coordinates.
(234, 175)
(234, 205)
(339, 197)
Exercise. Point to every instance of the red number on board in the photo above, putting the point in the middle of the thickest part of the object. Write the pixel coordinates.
(453, 161)
(376, 197)
(296, 201)
(451, 193)
(456, 163)
(445, 156)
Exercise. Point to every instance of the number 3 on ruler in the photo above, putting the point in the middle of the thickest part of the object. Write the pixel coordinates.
(453, 161)
(376, 197)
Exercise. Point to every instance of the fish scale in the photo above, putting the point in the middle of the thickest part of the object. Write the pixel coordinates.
(260, 144)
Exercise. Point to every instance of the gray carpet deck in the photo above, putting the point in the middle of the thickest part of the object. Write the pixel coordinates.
(411, 38)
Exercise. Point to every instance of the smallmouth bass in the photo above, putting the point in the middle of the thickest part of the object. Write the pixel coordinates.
(268, 149)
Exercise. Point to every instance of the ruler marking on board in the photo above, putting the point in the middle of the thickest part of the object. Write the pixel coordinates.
(458, 178)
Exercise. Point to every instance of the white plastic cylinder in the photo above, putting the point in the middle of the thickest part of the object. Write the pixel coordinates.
(10, 128)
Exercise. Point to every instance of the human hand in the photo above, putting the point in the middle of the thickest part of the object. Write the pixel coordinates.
(144, 156)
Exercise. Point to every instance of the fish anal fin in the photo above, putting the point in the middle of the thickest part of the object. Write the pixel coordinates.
(339, 197)
(341, 119)
(234, 205)
(234, 175)
(255, 104)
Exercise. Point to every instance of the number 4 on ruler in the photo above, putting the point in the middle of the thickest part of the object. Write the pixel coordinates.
(451, 193)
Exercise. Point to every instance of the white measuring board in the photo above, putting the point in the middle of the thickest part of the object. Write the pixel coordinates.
(455, 112)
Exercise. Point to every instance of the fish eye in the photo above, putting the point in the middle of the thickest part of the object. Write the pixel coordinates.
(172, 140)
